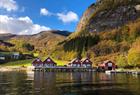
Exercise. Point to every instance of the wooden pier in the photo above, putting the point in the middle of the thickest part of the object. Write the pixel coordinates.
(64, 69)
(125, 72)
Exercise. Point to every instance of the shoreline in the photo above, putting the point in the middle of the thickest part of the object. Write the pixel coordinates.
(30, 68)
(15, 68)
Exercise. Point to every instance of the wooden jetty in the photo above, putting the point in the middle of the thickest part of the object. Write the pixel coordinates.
(126, 72)
(64, 69)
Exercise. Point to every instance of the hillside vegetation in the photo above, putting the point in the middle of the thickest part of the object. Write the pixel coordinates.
(114, 45)
(42, 43)
(110, 32)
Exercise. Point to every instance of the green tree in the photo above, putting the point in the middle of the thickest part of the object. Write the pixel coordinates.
(28, 46)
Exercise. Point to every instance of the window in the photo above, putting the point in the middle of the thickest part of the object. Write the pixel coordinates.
(87, 61)
(88, 65)
(38, 60)
(48, 60)
(76, 60)
(74, 65)
(109, 64)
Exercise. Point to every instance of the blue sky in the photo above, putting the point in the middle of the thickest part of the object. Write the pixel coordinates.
(33, 16)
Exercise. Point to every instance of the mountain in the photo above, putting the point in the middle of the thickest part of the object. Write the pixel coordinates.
(109, 29)
(6, 36)
(109, 14)
(42, 42)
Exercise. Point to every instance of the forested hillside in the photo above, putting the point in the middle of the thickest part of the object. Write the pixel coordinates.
(108, 30)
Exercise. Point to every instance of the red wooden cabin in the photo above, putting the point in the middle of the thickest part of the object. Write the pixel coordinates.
(49, 63)
(107, 65)
(86, 63)
(76, 63)
(37, 63)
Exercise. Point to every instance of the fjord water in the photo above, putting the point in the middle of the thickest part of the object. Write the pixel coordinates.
(76, 83)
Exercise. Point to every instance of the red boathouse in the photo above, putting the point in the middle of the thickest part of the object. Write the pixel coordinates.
(49, 63)
(86, 63)
(76, 63)
(107, 65)
(37, 63)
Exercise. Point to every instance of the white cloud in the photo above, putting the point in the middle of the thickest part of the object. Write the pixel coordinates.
(68, 17)
(21, 25)
(44, 11)
(8, 5)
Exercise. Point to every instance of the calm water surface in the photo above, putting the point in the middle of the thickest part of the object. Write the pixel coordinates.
(78, 83)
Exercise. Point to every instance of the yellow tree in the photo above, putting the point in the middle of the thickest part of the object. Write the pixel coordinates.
(134, 54)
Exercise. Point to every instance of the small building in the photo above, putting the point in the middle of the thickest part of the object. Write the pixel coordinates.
(76, 63)
(2, 59)
(86, 63)
(107, 65)
(49, 63)
(16, 55)
(37, 63)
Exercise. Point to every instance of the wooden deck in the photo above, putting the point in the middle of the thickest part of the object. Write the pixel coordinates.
(64, 69)
(125, 72)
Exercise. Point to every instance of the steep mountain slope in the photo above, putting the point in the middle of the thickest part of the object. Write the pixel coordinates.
(108, 29)
(109, 14)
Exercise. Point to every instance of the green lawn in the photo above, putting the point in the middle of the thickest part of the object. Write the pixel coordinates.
(19, 63)
(29, 63)
(61, 62)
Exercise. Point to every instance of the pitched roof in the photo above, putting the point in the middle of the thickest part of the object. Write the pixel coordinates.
(107, 61)
(76, 61)
(49, 61)
(86, 61)
(37, 61)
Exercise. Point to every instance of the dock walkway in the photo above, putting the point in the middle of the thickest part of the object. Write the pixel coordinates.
(64, 69)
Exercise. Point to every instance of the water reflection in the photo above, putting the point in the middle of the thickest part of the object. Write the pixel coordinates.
(14, 83)
(78, 83)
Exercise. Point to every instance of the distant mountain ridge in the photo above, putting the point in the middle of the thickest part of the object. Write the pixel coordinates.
(43, 41)
(8, 36)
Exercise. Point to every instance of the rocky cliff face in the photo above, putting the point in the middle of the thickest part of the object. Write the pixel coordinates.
(109, 14)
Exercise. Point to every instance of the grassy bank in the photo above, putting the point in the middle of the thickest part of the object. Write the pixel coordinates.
(28, 62)
(124, 69)
(18, 63)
